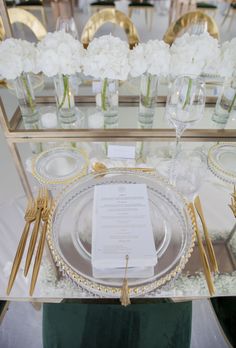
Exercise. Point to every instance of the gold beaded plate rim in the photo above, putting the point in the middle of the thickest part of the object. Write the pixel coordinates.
(70, 179)
(114, 291)
(214, 165)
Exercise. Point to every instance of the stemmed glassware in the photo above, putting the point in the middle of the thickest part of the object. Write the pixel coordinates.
(185, 104)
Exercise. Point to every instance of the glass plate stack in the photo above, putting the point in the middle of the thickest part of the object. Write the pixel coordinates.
(222, 162)
(70, 231)
(59, 165)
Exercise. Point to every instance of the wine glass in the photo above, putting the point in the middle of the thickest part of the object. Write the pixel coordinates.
(68, 25)
(185, 104)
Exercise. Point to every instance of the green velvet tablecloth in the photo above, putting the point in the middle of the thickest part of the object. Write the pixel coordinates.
(76, 325)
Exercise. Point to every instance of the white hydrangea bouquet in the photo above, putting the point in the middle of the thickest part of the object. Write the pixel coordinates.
(193, 55)
(107, 59)
(150, 60)
(61, 56)
(18, 58)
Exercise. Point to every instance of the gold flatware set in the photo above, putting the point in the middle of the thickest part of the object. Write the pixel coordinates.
(37, 211)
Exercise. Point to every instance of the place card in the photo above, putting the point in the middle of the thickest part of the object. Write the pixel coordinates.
(121, 151)
(122, 226)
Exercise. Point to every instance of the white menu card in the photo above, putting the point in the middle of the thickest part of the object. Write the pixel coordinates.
(122, 226)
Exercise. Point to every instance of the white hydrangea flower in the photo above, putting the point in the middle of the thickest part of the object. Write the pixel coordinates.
(194, 54)
(137, 60)
(107, 57)
(60, 53)
(152, 57)
(158, 57)
(16, 57)
(228, 58)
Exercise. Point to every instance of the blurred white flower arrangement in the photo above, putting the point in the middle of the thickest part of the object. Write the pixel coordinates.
(17, 57)
(152, 57)
(60, 53)
(227, 66)
(149, 60)
(194, 55)
(107, 57)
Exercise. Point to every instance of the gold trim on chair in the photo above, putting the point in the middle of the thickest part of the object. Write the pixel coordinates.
(2, 32)
(113, 16)
(188, 19)
(18, 15)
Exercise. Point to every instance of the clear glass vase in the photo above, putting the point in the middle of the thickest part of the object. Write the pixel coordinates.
(65, 100)
(226, 102)
(147, 103)
(147, 100)
(26, 99)
(107, 101)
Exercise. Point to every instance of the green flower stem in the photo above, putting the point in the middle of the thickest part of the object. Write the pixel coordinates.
(28, 92)
(68, 93)
(65, 91)
(146, 99)
(232, 103)
(103, 96)
(187, 99)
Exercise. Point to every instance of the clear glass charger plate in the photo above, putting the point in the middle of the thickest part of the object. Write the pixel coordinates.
(222, 162)
(70, 229)
(59, 165)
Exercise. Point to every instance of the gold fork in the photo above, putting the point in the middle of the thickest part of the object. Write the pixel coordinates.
(30, 216)
(41, 200)
(45, 216)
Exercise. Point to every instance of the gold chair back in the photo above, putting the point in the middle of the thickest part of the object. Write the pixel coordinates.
(18, 15)
(2, 32)
(113, 16)
(194, 22)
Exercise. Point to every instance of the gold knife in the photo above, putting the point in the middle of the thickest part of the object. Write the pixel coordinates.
(30, 216)
(205, 264)
(45, 216)
(209, 245)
